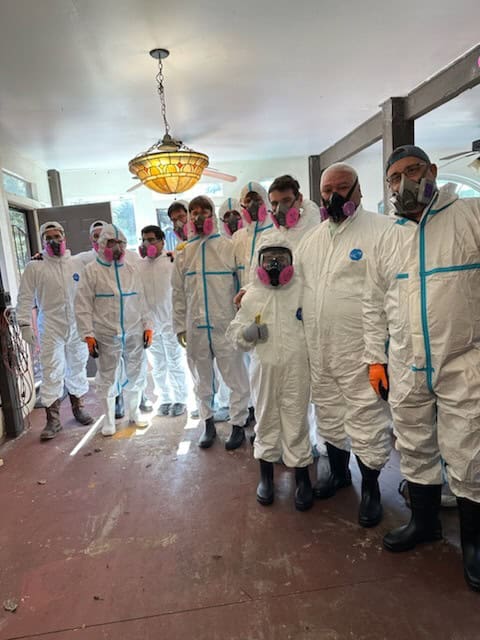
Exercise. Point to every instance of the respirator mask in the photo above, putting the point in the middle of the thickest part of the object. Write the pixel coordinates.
(232, 222)
(338, 207)
(55, 248)
(255, 211)
(285, 215)
(275, 266)
(412, 196)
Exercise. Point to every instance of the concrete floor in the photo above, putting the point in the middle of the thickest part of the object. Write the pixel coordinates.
(144, 539)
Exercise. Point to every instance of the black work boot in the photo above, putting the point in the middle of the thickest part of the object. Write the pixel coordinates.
(209, 435)
(236, 438)
(469, 512)
(53, 425)
(78, 411)
(251, 421)
(370, 512)
(304, 491)
(119, 407)
(340, 475)
(265, 486)
(145, 405)
(424, 525)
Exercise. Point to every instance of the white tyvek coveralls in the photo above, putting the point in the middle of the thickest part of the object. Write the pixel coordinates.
(425, 286)
(52, 284)
(204, 284)
(279, 371)
(246, 239)
(110, 306)
(165, 355)
(334, 271)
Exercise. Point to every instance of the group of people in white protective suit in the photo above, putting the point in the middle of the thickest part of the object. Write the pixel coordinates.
(372, 320)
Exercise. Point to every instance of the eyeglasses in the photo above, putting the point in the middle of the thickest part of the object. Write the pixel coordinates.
(411, 171)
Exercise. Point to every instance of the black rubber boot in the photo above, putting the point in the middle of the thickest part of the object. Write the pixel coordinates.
(265, 486)
(145, 405)
(78, 410)
(236, 438)
(119, 407)
(209, 435)
(469, 512)
(304, 491)
(370, 512)
(340, 475)
(424, 525)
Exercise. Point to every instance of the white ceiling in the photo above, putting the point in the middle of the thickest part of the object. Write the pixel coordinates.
(245, 79)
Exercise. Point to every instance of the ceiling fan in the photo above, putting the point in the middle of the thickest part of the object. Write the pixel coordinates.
(169, 166)
(475, 149)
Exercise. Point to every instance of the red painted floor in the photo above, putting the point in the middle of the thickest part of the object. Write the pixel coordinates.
(140, 541)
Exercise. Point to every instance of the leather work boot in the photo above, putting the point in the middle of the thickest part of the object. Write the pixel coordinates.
(208, 435)
(236, 438)
(53, 425)
(78, 411)
(469, 512)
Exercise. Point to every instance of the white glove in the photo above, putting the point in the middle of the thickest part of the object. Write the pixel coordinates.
(256, 333)
(28, 334)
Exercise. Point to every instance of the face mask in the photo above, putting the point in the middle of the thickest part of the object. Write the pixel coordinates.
(55, 248)
(338, 207)
(147, 250)
(285, 216)
(255, 211)
(95, 245)
(179, 230)
(232, 222)
(114, 254)
(412, 196)
(273, 272)
(201, 225)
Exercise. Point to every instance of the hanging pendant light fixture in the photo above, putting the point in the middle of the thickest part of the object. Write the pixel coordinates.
(168, 166)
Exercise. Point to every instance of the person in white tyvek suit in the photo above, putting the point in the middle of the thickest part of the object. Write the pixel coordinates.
(114, 321)
(165, 354)
(333, 263)
(86, 257)
(52, 283)
(254, 209)
(204, 284)
(269, 323)
(424, 287)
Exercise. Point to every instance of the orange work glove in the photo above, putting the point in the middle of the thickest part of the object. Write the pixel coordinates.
(92, 345)
(147, 338)
(378, 376)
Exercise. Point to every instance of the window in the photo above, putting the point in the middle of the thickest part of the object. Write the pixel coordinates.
(123, 215)
(16, 185)
(18, 221)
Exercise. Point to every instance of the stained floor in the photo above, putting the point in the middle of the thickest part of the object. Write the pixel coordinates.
(145, 536)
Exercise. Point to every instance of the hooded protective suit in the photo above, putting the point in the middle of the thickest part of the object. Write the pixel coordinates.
(245, 240)
(110, 307)
(205, 280)
(230, 204)
(279, 370)
(52, 284)
(165, 354)
(424, 285)
(333, 264)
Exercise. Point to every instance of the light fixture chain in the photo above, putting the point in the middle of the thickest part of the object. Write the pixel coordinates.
(161, 92)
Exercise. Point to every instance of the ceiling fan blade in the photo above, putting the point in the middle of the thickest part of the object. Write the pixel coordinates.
(213, 173)
(135, 186)
(455, 155)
